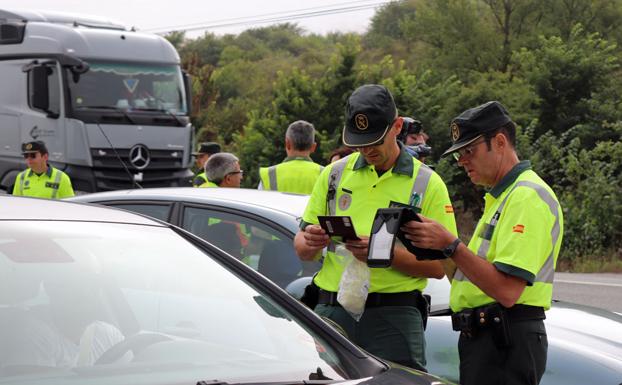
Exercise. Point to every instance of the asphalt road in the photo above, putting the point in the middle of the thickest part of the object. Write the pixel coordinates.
(599, 290)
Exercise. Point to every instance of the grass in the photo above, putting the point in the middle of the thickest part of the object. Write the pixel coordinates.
(609, 264)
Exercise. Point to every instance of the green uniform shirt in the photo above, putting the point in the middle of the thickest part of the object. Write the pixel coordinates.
(52, 184)
(523, 241)
(294, 175)
(209, 184)
(199, 179)
(360, 192)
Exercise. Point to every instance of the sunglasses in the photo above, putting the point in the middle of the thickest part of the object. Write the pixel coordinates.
(467, 151)
(31, 155)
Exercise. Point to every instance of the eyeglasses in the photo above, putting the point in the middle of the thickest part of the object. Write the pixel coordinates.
(467, 151)
(241, 172)
(31, 155)
(379, 143)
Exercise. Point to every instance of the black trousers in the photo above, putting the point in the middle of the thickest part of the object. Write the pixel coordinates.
(523, 362)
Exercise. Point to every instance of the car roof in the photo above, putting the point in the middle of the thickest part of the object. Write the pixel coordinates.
(290, 204)
(25, 208)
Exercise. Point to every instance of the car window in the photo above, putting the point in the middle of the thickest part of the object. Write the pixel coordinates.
(158, 211)
(119, 303)
(264, 248)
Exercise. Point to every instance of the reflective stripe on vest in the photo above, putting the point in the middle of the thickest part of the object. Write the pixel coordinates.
(272, 178)
(547, 271)
(56, 182)
(21, 182)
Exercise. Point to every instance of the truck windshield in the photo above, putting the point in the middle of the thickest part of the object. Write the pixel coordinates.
(128, 87)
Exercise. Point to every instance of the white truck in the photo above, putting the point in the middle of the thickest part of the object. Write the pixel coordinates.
(112, 105)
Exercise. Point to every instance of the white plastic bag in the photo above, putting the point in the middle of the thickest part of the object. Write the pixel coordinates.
(354, 285)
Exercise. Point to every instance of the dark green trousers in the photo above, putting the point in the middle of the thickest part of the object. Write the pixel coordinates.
(523, 362)
(394, 333)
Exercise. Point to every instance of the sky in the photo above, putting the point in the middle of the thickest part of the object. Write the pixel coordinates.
(161, 15)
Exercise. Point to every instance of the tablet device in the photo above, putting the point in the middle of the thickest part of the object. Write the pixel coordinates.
(382, 238)
(340, 227)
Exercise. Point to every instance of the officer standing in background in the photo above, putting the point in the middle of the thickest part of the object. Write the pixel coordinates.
(206, 149)
(40, 179)
(297, 173)
(380, 172)
(504, 280)
(223, 170)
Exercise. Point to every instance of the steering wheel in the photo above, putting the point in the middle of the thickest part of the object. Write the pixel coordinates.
(135, 343)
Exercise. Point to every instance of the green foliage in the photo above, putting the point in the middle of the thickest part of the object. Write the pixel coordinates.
(554, 65)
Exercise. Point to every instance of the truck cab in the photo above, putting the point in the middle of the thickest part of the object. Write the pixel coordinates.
(111, 104)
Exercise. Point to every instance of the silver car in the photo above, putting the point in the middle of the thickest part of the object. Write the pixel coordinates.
(93, 295)
(585, 343)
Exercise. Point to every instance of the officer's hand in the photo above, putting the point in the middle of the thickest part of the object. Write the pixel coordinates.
(359, 248)
(315, 237)
(427, 234)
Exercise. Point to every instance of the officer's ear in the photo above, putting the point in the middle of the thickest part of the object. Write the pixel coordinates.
(313, 147)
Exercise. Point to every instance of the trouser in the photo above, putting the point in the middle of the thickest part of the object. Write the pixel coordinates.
(482, 361)
(394, 333)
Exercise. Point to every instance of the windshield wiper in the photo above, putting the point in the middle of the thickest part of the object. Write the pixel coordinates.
(117, 109)
(168, 112)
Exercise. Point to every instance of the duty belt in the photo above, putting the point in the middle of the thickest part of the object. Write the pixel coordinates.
(410, 298)
(468, 321)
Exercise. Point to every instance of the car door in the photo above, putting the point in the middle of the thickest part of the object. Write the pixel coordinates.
(262, 245)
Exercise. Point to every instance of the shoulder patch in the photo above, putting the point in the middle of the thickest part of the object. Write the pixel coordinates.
(449, 209)
(518, 229)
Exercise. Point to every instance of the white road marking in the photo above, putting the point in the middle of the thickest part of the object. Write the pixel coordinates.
(588, 283)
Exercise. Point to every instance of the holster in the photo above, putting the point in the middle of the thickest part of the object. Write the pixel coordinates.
(493, 317)
(311, 295)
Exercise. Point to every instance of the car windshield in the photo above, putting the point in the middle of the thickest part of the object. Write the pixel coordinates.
(128, 87)
(91, 303)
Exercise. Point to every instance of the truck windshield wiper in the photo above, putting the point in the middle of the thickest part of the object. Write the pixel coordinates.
(168, 112)
(117, 109)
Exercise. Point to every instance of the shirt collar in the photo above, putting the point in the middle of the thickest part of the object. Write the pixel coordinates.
(403, 165)
(289, 158)
(48, 172)
(510, 177)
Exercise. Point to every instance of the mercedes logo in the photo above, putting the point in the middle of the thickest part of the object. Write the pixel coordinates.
(139, 156)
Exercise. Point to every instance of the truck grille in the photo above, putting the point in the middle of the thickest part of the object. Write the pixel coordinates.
(163, 168)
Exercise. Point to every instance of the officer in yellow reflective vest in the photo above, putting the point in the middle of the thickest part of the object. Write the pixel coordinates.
(379, 173)
(297, 173)
(504, 279)
(205, 150)
(40, 179)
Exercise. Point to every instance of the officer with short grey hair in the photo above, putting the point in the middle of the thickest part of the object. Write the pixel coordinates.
(297, 173)
(223, 170)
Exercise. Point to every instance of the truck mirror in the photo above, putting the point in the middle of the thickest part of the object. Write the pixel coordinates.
(188, 86)
(39, 90)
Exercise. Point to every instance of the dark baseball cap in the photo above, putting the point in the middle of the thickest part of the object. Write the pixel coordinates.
(470, 125)
(208, 148)
(34, 146)
(370, 111)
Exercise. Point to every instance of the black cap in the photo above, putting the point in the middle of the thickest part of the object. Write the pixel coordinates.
(34, 146)
(370, 111)
(208, 148)
(475, 122)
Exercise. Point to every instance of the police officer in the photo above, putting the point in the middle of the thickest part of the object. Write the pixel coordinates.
(223, 170)
(40, 179)
(205, 150)
(504, 279)
(297, 173)
(380, 172)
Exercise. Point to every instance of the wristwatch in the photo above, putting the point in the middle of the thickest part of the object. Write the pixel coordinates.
(451, 248)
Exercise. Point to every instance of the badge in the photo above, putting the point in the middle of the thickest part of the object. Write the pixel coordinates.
(28, 146)
(361, 122)
(344, 202)
(455, 131)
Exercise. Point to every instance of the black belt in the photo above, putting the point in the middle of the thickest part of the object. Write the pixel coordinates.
(409, 298)
(485, 316)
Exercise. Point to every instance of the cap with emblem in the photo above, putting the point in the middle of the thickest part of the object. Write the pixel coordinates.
(470, 125)
(208, 148)
(370, 111)
(34, 146)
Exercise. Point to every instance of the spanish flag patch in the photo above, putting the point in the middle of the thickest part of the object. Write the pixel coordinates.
(518, 229)
(449, 209)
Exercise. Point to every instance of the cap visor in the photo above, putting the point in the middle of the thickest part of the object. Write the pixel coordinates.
(458, 146)
(362, 140)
